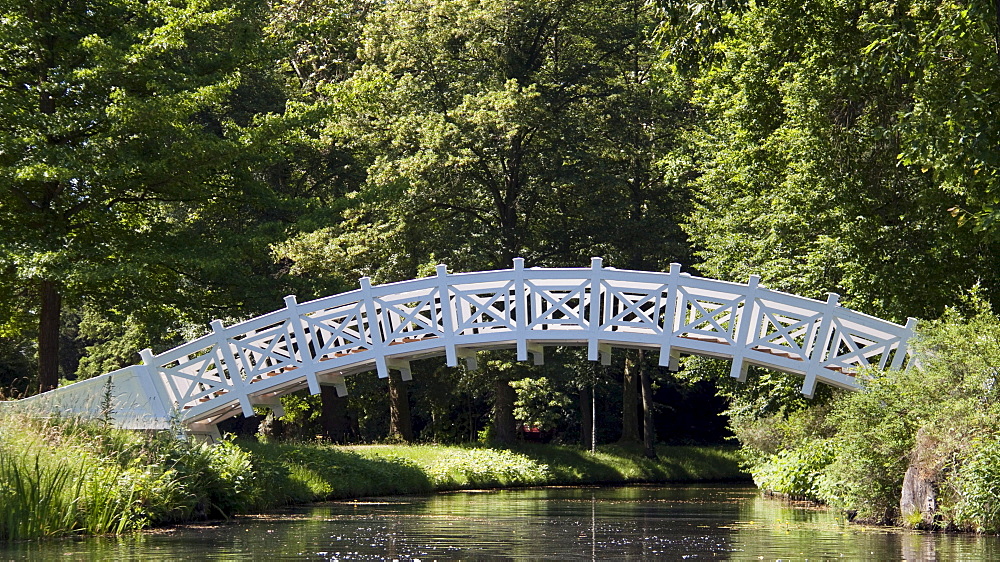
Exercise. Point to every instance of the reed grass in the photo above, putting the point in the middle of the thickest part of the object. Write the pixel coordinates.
(62, 477)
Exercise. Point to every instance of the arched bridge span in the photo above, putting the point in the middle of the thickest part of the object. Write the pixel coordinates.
(307, 345)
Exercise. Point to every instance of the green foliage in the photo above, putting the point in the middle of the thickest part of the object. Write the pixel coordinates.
(940, 416)
(810, 176)
(539, 404)
(324, 472)
(795, 472)
(487, 468)
(62, 477)
(977, 486)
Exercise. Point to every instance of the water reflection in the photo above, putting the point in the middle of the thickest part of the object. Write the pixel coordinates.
(717, 522)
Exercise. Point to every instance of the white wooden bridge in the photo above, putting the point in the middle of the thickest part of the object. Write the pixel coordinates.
(307, 345)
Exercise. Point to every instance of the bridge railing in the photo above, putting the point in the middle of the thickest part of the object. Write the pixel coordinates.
(306, 345)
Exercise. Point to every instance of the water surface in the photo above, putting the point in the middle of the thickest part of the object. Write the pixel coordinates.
(665, 522)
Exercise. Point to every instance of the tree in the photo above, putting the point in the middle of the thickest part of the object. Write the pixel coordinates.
(467, 109)
(807, 179)
(106, 111)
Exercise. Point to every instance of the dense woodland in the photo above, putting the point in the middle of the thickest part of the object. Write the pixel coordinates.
(164, 163)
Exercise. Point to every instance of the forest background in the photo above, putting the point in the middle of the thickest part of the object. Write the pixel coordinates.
(168, 162)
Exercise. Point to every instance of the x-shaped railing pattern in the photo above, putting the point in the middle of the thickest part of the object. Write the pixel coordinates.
(307, 345)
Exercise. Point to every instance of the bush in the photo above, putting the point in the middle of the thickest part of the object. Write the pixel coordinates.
(797, 473)
(62, 476)
(927, 417)
(977, 485)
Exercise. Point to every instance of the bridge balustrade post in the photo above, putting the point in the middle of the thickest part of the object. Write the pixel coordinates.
(448, 315)
(748, 317)
(594, 316)
(302, 341)
(903, 348)
(375, 328)
(232, 366)
(152, 384)
(521, 309)
(819, 346)
(670, 321)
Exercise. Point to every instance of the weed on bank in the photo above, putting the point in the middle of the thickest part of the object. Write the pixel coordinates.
(61, 477)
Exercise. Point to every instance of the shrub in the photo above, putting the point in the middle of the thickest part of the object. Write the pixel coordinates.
(977, 484)
(797, 473)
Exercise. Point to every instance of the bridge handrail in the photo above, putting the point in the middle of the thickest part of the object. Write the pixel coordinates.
(317, 342)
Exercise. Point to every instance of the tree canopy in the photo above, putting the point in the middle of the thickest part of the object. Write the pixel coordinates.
(167, 162)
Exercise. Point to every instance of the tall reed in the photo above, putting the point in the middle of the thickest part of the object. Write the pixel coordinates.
(61, 477)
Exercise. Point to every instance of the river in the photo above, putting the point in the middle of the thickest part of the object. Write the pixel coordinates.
(666, 522)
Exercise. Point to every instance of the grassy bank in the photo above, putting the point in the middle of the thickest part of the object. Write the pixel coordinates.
(309, 472)
(63, 477)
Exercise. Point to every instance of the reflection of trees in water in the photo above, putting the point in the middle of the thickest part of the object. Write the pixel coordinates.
(599, 523)
(771, 527)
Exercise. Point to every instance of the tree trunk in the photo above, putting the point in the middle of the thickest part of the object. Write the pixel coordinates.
(399, 409)
(503, 413)
(586, 417)
(333, 416)
(648, 431)
(48, 336)
(630, 401)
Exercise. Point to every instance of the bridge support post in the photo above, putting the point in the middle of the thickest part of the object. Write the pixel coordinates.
(819, 347)
(209, 431)
(537, 352)
(748, 318)
(272, 402)
(336, 381)
(303, 342)
(471, 359)
(402, 366)
(668, 357)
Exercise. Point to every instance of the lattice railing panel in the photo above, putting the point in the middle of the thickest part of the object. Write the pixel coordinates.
(265, 350)
(414, 315)
(853, 345)
(337, 331)
(196, 377)
(557, 303)
(456, 314)
(706, 315)
(483, 309)
(784, 329)
(633, 307)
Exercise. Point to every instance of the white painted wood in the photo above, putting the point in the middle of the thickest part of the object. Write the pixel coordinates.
(306, 345)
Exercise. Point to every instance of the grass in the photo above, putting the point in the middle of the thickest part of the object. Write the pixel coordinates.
(64, 477)
(310, 471)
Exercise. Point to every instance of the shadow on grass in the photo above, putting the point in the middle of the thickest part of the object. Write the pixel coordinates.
(307, 472)
(301, 472)
(623, 464)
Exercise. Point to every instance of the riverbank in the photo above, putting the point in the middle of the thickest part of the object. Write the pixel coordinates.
(918, 448)
(63, 477)
(314, 472)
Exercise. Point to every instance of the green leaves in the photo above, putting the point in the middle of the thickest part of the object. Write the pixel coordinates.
(824, 169)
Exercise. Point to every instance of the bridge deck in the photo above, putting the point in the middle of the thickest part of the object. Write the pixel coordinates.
(307, 345)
